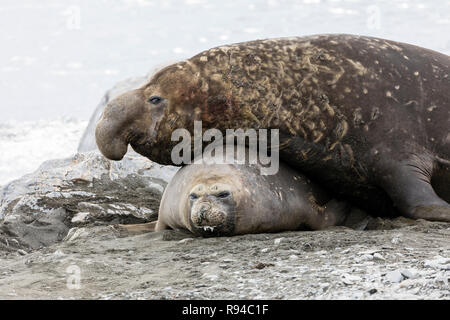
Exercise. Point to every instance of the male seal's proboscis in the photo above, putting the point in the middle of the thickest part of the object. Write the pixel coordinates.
(232, 199)
(367, 118)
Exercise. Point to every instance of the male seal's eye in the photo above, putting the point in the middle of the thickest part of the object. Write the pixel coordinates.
(155, 100)
(193, 196)
(223, 194)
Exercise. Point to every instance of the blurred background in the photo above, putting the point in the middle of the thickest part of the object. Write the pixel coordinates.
(58, 58)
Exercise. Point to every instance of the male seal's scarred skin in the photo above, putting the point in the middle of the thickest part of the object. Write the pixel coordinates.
(366, 117)
(232, 199)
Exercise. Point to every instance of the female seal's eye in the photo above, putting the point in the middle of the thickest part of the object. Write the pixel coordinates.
(155, 100)
(223, 194)
(193, 196)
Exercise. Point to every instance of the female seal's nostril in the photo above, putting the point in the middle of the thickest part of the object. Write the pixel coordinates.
(202, 211)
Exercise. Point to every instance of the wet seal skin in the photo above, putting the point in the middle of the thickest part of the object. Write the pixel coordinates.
(367, 118)
(231, 199)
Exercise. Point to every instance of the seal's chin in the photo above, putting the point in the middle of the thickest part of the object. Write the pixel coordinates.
(146, 150)
(154, 152)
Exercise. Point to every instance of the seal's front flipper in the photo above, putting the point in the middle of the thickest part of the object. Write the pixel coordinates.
(126, 230)
(333, 213)
(408, 183)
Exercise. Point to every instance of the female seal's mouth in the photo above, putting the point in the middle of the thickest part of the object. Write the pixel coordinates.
(206, 217)
(210, 219)
(209, 228)
(210, 231)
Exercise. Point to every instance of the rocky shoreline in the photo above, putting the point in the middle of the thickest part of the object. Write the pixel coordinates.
(410, 261)
(57, 224)
(57, 241)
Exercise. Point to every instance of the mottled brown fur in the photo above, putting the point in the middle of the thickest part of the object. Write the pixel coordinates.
(354, 112)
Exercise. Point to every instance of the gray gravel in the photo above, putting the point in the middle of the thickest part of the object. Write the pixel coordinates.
(404, 260)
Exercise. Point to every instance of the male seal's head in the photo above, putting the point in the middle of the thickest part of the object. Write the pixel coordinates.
(145, 118)
(212, 208)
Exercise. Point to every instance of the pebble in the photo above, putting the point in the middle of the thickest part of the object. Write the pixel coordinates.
(394, 276)
(335, 272)
(80, 217)
(438, 263)
(59, 253)
(378, 256)
(277, 241)
(371, 252)
(408, 274)
(293, 257)
(22, 252)
(210, 276)
(372, 291)
(324, 286)
(75, 233)
(367, 257)
(186, 240)
(349, 279)
(443, 278)
(265, 250)
(406, 283)
(414, 290)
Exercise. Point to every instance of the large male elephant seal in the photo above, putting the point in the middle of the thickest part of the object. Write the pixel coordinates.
(233, 198)
(368, 118)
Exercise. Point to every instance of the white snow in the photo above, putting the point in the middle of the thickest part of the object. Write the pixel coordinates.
(24, 145)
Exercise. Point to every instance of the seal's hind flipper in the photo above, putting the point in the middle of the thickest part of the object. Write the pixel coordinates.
(126, 230)
(440, 181)
(443, 162)
(409, 184)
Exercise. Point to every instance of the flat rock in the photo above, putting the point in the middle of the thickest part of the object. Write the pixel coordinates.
(395, 276)
(39, 209)
(438, 262)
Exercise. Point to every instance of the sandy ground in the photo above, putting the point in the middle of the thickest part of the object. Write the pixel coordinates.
(397, 259)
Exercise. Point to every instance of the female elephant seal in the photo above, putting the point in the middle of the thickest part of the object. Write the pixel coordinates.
(231, 199)
(368, 118)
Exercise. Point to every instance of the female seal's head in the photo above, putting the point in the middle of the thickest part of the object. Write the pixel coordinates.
(212, 208)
